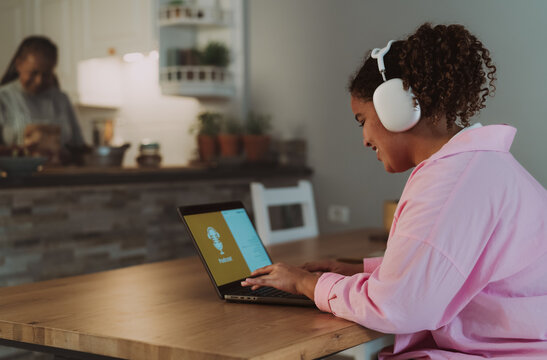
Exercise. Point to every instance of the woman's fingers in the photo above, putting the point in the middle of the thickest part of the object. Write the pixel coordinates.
(256, 283)
(260, 279)
(263, 270)
(271, 275)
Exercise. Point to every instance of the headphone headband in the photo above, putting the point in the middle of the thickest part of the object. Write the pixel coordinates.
(378, 54)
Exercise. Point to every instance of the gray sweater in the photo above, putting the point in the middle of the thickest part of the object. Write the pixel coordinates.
(52, 106)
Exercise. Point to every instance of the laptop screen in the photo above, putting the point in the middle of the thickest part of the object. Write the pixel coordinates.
(228, 243)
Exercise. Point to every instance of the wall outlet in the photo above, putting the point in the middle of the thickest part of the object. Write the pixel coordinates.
(338, 214)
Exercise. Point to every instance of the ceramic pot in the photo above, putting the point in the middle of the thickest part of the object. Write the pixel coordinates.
(229, 145)
(207, 148)
(256, 147)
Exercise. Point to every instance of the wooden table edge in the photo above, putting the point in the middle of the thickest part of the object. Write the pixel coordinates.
(97, 347)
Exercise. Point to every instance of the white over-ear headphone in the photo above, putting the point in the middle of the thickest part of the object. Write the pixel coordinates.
(396, 107)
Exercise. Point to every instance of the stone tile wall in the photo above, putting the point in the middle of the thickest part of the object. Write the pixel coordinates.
(49, 233)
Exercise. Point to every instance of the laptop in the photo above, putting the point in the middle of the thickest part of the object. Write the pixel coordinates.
(230, 250)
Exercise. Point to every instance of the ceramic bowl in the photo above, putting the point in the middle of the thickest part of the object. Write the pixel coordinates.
(21, 165)
(109, 156)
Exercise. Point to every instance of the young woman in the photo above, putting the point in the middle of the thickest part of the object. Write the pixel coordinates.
(29, 94)
(463, 276)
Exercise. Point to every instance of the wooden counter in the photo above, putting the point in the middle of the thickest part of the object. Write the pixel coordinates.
(77, 176)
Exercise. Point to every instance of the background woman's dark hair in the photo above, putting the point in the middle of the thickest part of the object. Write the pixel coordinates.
(31, 45)
(448, 69)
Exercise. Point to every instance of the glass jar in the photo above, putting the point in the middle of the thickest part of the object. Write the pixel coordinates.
(149, 154)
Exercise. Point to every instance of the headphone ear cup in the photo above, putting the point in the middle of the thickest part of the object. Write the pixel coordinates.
(395, 106)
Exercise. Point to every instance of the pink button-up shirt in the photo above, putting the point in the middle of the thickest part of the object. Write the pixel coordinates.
(464, 275)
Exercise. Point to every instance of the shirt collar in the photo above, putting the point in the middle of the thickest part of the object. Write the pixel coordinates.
(478, 138)
(474, 126)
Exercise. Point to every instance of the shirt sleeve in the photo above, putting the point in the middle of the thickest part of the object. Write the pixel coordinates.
(322, 292)
(409, 292)
(371, 264)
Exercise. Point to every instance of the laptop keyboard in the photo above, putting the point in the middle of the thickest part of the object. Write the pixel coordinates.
(266, 291)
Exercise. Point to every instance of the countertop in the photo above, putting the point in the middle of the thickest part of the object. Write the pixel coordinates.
(74, 176)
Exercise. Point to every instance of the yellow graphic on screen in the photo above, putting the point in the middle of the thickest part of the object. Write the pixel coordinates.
(218, 247)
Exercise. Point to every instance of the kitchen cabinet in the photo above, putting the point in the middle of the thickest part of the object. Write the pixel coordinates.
(52, 18)
(192, 25)
(15, 24)
(116, 27)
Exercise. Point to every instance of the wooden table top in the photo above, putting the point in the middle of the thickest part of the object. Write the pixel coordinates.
(169, 310)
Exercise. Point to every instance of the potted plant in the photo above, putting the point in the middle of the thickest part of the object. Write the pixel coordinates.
(256, 141)
(216, 55)
(229, 137)
(207, 127)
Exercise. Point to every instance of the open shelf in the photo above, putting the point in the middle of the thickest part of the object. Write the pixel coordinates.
(196, 81)
(186, 28)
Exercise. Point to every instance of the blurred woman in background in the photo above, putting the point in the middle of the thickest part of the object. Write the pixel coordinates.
(30, 94)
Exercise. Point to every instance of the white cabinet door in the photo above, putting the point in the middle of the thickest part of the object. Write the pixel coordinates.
(15, 25)
(55, 19)
(116, 27)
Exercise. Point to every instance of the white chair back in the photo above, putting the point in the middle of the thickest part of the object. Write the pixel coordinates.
(263, 198)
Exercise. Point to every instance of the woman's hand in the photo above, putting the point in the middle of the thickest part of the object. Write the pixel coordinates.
(284, 277)
(333, 266)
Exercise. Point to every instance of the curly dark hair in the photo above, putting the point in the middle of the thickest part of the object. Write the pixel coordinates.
(448, 69)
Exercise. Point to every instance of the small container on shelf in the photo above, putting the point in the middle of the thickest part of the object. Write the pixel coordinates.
(187, 12)
(149, 154)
